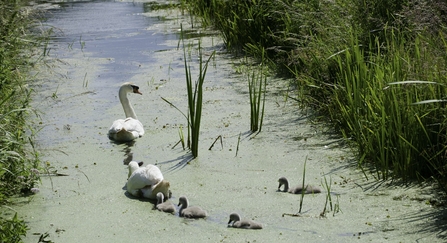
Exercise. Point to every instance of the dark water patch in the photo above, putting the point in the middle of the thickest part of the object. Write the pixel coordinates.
(111, 30)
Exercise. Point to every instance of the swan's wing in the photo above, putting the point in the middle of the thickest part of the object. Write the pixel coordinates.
(117, 126)
(153, 174)
(126, 129)
(133, 125)
(138, 180)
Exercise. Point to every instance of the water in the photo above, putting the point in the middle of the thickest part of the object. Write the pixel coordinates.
(100, 44)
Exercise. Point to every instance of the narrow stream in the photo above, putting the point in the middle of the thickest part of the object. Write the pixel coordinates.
(97, 46)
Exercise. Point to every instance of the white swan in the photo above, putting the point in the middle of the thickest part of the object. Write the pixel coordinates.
(308, 189)
(146, 181)
(124, 130)
(243, 223)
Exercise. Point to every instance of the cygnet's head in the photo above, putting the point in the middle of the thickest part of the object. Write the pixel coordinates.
(183, 201)
(282, 181)
(234, 217)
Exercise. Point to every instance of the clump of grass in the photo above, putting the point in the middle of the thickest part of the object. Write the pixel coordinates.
(12, 229)
(19, 162)
(16, 51)
(182, 137)
(343, 56)
(257, 86)
(195, 96)
(328, 196)
(379, 114)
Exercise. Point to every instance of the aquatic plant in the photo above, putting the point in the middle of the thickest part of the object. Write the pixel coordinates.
(257, 85)
(238, 143)
(303, 186)
(375, 107)
(19, 161)
(195, 97)
(328, 197)
(12, 229)
(342, 67)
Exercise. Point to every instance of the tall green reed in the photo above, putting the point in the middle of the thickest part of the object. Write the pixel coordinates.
(195, 97)
(389, 129)
(303, 185)
(17, 52)
(257, 85)
(19, 161)
(377, 111)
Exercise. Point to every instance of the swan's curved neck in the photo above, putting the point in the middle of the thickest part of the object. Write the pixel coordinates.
(128, 109)
(286, 186)
(133, 166)
(160, 198)
(184, 204)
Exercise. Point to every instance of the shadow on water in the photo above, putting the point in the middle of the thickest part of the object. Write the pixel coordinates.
(180, 162)
(430, 222)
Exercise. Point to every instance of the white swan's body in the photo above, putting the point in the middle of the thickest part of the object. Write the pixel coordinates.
(190, 212)
(243, 223)
(146, 181)
(124, 130)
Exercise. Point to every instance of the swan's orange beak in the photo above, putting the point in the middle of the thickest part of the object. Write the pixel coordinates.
(136, 89)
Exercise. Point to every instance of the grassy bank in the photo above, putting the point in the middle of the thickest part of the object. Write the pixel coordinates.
(18, 161)
(374, 70)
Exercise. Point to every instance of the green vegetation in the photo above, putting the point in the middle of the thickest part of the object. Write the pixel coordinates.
(257, 85)
(18, 160)
(355, 63)
(195, 96)
(256, 91)
(303, 186)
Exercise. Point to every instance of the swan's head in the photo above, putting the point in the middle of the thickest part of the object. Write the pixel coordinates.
(283, 181)
(130, 88)
(133, 166)
(183, 201)
(234, 217)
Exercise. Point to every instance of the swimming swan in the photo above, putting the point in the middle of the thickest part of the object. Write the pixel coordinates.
(167, 206)
(146, 181)
(124, 130)
(190, 212)
(298, 189)
(243, 223)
